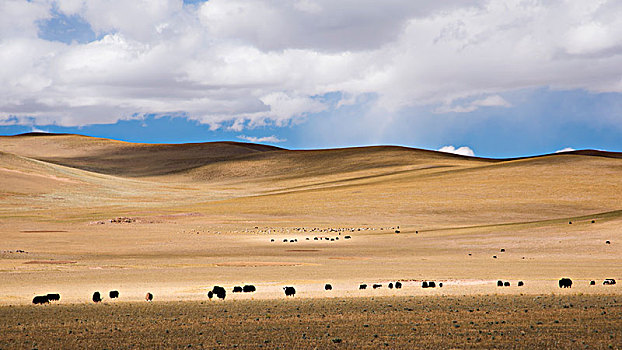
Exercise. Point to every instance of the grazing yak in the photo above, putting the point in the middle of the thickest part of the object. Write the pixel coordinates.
(40, 299)
(592, 283)
(607, 242)
(289, 291)
(249, 288)
(520, 283)
(499, 283)
(565, 283)
(210, 295)
(424, 284)
(609, 281)
(363, 286)
(390, 285)
(97, 297)
(506, 284)
(220, 292)
(327, 286)
(432, 284)
(149, 297)
(347, 237)
(237, 289)
(113, 294)
(398, 285)
(53, 297)
(440, 285)
(376, 286)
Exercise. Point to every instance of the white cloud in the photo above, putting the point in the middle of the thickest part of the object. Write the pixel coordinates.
(463, 151)
(34, 129)
(567, 149)
(265, 139)
(490, 101)
(253, 62)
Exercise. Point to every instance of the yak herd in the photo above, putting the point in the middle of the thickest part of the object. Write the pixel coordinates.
(221, 293)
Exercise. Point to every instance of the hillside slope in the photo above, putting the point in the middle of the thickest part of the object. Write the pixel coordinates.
(97, 177)
(123, 158)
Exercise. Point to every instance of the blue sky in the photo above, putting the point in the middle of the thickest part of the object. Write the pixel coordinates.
(318, 74)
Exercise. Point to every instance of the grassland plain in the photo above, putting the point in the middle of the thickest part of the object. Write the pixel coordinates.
(199, 215)
(491, 321)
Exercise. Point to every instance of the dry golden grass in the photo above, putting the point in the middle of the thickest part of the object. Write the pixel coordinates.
(205, 214)
(483, 322)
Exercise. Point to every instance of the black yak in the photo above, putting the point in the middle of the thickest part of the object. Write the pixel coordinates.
(432, 284)
(592, 283)
(520, 283)
(506, 284)
(149, 297)
(609, 281)
(424, 284)
(390, 285)
(97, 297)
(220, 292)
(565, 283)
(440, 285)
(210, 295)
(398, 285)
(376, 285)
(249, 288)
(363, 286)
(113, 294)
(53, 297)
(237, 289)
(289, 291)
(327, 286)
(40, 299)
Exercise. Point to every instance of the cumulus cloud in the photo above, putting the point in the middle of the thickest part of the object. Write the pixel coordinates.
(242, 64)
(265, 139)
(463, 151)
(567, 149)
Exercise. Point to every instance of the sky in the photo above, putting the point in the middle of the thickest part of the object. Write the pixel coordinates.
(485, 78)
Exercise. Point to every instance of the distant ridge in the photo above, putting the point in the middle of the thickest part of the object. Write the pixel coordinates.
(595, 153)
(263, 147)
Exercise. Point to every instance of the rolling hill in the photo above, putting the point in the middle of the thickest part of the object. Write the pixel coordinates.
(227, 178)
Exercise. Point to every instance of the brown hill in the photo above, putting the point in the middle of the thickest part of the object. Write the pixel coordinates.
(367, 183)
(123, 158)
